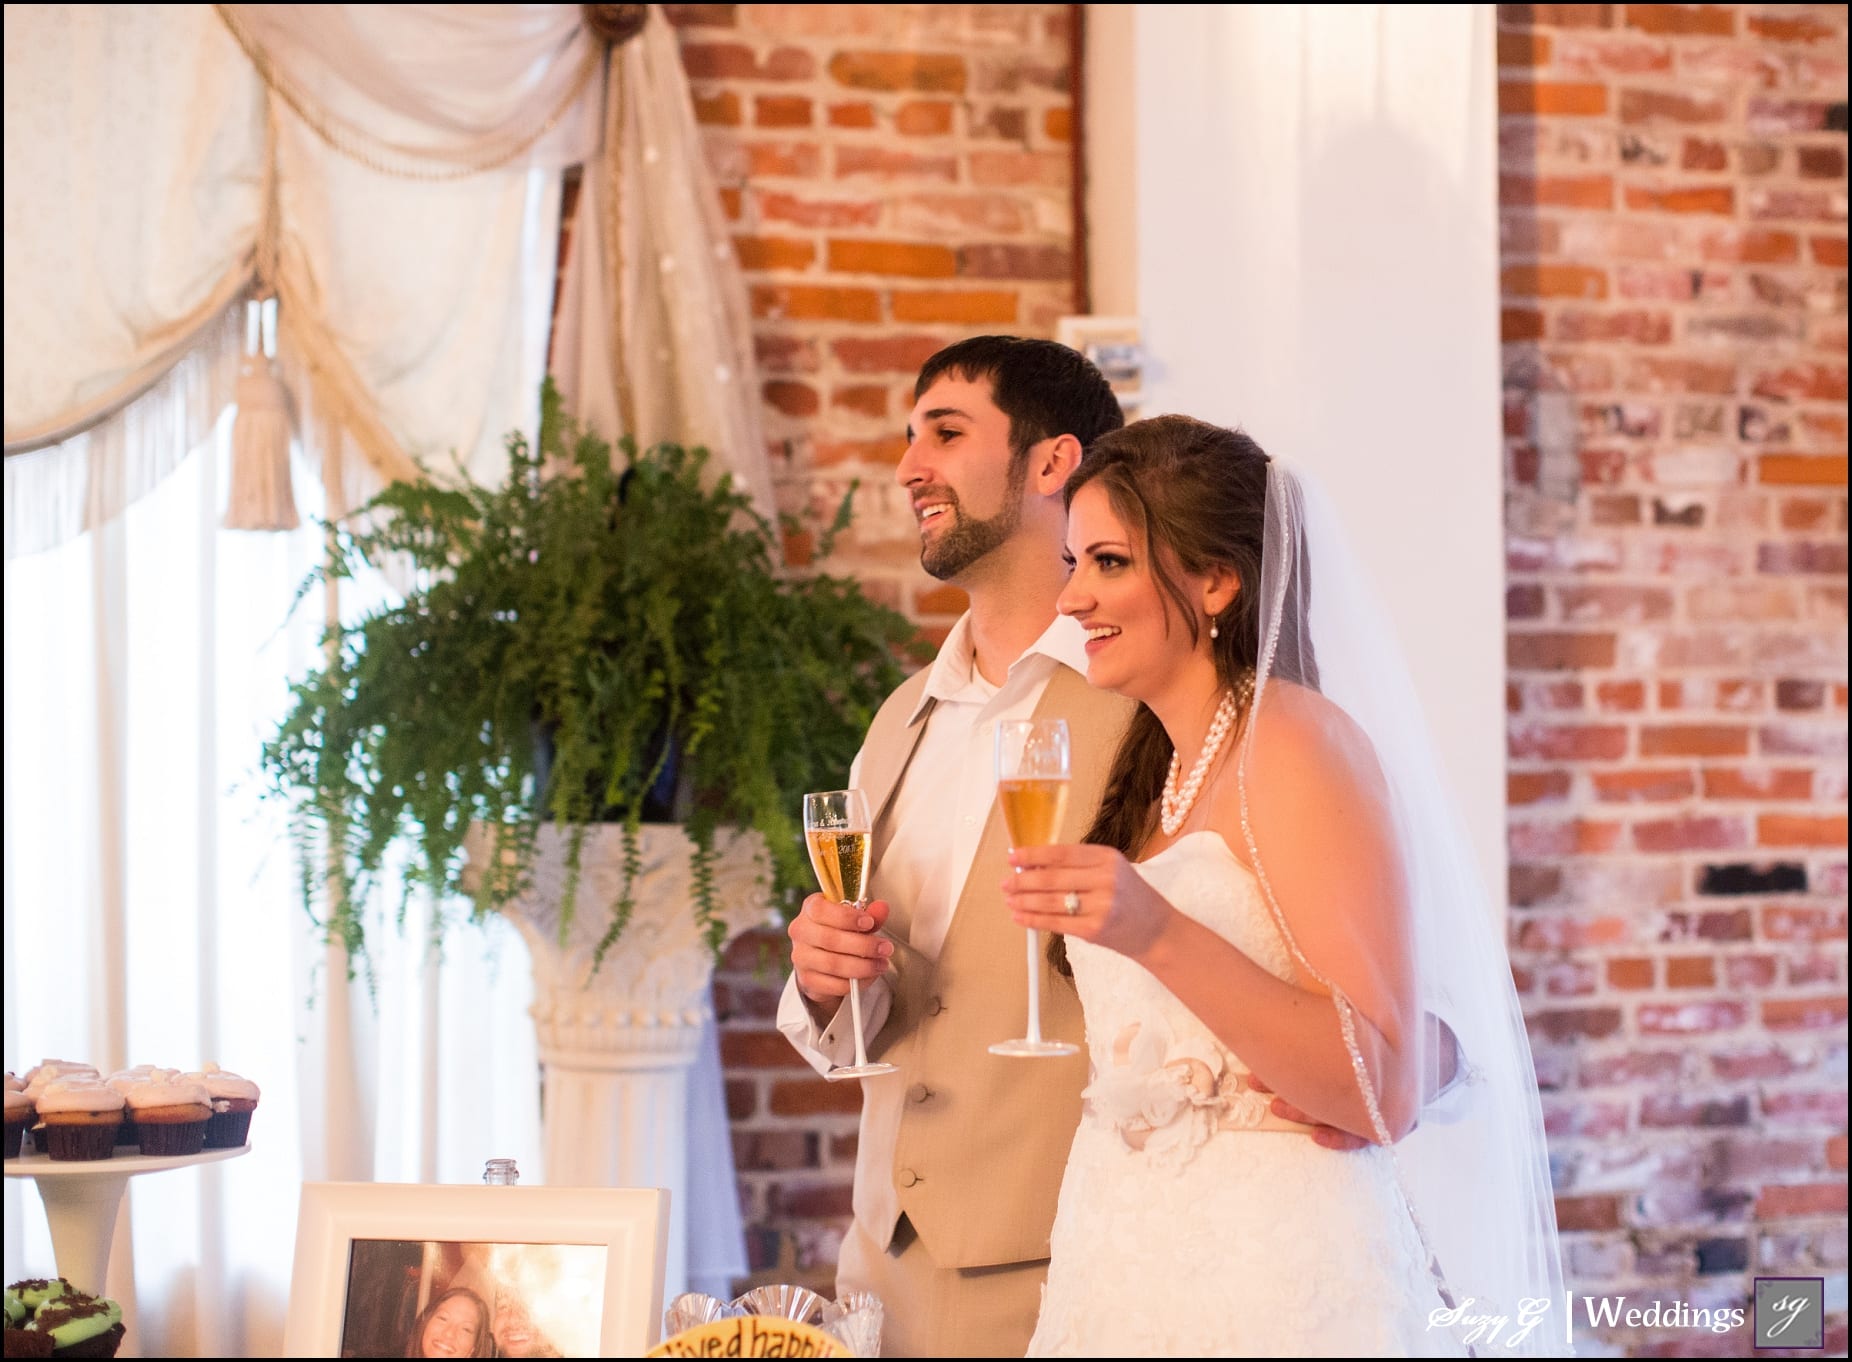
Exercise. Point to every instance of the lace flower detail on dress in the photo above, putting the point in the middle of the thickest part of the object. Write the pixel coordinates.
(1167, 1098)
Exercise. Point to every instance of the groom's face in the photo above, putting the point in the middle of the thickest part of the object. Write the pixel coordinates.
(964, 481)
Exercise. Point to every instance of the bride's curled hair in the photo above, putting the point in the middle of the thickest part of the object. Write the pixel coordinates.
(1196, 494)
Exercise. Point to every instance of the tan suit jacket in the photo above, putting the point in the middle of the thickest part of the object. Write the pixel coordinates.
(970, 1145)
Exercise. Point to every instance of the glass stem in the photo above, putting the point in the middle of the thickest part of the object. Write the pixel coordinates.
(1035, 993)
(855, 1015)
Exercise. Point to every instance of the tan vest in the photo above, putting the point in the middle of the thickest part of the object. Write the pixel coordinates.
(970, 1145)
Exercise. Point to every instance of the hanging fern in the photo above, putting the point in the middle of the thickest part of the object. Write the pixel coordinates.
(595, 640)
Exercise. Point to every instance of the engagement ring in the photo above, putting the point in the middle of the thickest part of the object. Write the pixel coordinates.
(1071, 902)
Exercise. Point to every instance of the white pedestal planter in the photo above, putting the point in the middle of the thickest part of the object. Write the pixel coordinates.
(616, 1045)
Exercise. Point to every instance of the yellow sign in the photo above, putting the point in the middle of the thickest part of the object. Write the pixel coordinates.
(751, 1336)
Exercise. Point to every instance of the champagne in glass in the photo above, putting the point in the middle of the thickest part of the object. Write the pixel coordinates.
(1032, 780)
(837, 831)
(1032, 809)
(841, 862)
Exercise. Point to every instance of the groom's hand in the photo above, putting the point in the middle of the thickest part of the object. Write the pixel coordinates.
(1327, 1137)
(832, 943)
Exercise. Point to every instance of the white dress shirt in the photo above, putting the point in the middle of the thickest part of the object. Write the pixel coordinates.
(939, 812)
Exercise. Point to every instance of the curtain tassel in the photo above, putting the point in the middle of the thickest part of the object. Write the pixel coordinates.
(260, 477)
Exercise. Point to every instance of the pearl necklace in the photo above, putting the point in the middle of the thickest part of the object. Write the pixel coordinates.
(1177, 803)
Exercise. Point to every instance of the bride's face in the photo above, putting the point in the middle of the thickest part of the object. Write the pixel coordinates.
(1136, 643)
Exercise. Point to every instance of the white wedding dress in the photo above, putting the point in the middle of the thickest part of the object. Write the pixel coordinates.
(1192, 1222)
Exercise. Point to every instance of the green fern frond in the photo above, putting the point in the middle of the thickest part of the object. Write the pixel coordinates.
(597, 619)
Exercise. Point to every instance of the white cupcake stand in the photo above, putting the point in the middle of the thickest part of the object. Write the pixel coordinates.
(81, 1200)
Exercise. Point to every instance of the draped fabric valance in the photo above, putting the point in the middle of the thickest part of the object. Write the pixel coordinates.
(432, 91)
(416, 151)
(654, 333)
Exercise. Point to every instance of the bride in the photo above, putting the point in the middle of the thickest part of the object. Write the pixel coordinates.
(1273, 896)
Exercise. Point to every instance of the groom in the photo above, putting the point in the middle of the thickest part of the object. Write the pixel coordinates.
(960, 1154)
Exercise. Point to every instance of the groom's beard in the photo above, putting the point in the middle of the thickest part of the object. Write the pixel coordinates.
(967, 540)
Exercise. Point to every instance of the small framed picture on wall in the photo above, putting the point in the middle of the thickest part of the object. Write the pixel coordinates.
(1116, 347)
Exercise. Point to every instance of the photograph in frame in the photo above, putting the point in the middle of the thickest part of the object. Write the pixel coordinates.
(442, 1298)
(410, 1270)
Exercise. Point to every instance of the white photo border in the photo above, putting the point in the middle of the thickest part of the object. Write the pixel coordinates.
(631, 1224)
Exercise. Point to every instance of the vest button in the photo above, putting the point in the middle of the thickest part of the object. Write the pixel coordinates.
(908, 1177)
(934, 1006)
(919, 1092)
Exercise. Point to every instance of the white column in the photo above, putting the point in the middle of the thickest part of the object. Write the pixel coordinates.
(617, 1041)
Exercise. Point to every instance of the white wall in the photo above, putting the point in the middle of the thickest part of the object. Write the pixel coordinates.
(1307, 220)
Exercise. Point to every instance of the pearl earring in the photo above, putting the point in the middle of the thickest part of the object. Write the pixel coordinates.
(1214, 632)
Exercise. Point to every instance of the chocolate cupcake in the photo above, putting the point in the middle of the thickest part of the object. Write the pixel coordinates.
(79, 1325)
(46, 1318)
(34, 1292)
(79, 1117)
(22, 1299)
(233, 1100)
(26, 1343)
(124, 1079)
(41, 1076)
(171, 1115)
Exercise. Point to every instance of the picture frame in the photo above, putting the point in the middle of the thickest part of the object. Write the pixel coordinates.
(594, 1256)
(1116, 347)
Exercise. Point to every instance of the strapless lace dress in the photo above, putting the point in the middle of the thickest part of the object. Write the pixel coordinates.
(1192, 1222)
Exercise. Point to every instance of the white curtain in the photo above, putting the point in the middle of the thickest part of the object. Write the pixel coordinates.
(151, 907)
(133, 150)
(655, 336)
(142, 145)
(144, 662)
(1315, 204)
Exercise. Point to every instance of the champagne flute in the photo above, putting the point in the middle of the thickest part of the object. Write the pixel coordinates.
(1032, 776)
(837, 831)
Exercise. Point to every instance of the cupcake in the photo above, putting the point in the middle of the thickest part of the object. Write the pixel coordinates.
(47, 1069)
(78, 1325)
(171, 1114)
(20, 1113)
(22, 1342)
(46, 1318)
(35, 1291)
(44, 1073)
(79, 1116)
(22, 1299)
(124, 1079)
(233, 1101)
(19, 1343)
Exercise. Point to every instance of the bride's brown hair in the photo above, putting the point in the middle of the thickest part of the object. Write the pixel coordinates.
(1196, 494)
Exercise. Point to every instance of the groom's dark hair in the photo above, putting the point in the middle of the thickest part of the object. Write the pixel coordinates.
(1044, 387)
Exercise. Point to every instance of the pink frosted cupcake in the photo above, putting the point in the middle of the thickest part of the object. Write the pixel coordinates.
(233, 1100)
(171, 1114)
(47, 1069)
(79, 1116)
(124, 1079)
(43, 1074)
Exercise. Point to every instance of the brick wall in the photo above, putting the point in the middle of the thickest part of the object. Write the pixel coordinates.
(1675, 326)
(898, 177)
(1674, 222)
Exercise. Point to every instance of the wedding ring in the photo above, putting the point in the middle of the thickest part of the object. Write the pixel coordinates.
(1071, 902)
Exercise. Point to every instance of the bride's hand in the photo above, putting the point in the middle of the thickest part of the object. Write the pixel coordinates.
(1085, 891)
